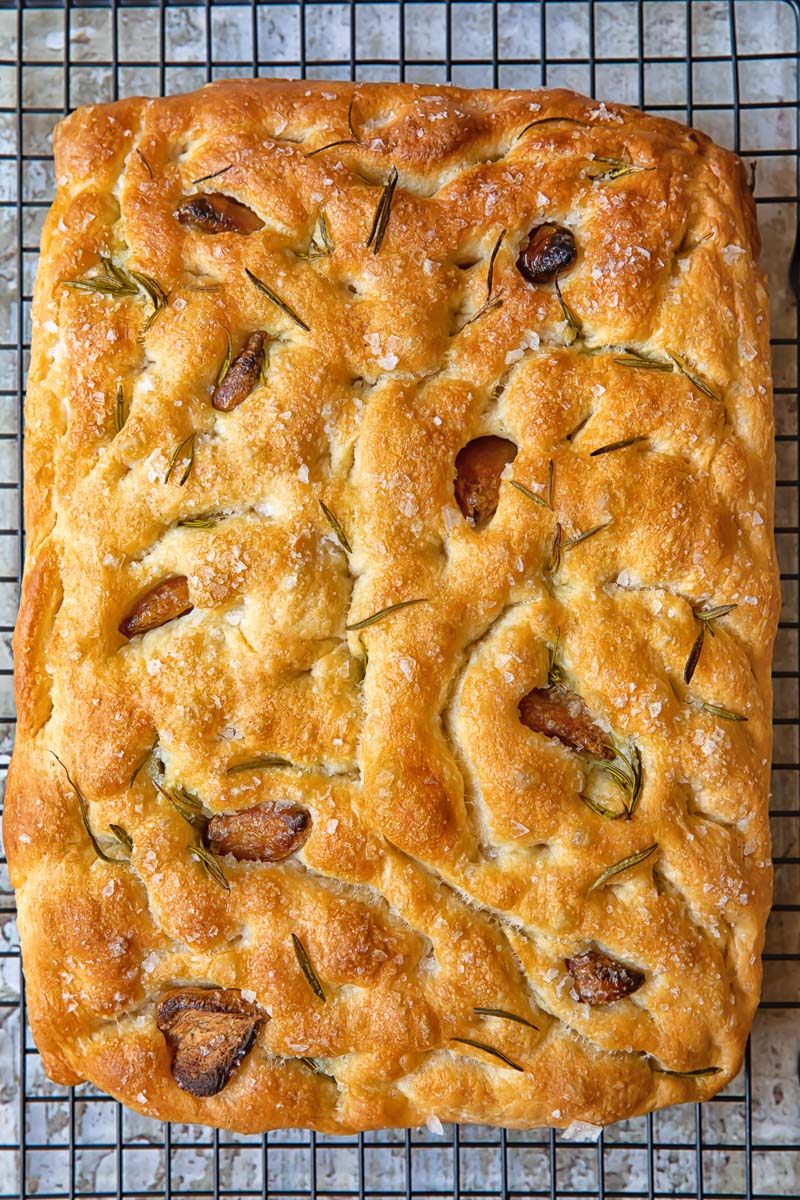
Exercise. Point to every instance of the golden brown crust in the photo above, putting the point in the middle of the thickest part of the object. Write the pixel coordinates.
(456, 860)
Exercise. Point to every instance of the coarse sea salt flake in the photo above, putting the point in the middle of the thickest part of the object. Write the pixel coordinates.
(433, 1124)
(248, 994)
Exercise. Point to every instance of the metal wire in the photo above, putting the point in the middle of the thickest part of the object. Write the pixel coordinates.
(57, 1143)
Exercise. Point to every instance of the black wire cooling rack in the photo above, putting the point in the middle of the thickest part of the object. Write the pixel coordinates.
(732, 69)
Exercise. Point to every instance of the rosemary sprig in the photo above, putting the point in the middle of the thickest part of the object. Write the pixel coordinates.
(581, 424)
(546, 500)
(110, 281)
(706, 617)
(177, 455)
(581, 537)
(623, 445)
(144, 162)
(690, 665)
(213, 175)
(492, 257)
(186, 805)
(138, 769)
(204, 522)
(554, 674)
(600, 809)
(551, 121)
(624, 864)
(210, 865)
(574, 326)
(84, 811)
(119, 408)
(526, 491)
(385, 612)
(225, 365)
(158, 297)
(123, 837)
(634, 790)
(554, 562)
(695, 1074)
(321, 245)
(336, 527)
(627, 774)
(725, 714)
(616, 168)
(214, 286)
(509, 1062)
(261, 763)
(382, 213)
(305, 966)
(324, 233)
(505, 1016)
(315, 1067)
(695, 379)
(483, 311)
(267, 291)
(330, 146)
(641, 362)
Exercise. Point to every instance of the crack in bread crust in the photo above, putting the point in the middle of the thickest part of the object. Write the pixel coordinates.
(369, 664)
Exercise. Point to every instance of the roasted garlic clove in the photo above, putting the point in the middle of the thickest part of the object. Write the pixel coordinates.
(242, 375)
(550, 251)
(267, 833)
(164, 602)
(601, 980)
(479, 466)
(212, 212)
(560, 713)
(208, 1031)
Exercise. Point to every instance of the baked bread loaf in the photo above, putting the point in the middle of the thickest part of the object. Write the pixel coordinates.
(393, 664)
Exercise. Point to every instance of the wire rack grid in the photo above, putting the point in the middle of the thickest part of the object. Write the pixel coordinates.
(730, 68)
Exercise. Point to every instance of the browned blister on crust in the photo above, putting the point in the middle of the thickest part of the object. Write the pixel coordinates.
(164, 602)
(209, 1032)
(599, 980)
(266, 833)
(560, 713)
(242, 376)
(212, 212)
(479, 467)
(450, 865)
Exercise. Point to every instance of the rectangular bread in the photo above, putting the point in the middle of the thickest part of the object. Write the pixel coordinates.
(393, 664)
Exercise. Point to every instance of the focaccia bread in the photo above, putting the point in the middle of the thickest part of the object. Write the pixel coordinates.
(393, 664)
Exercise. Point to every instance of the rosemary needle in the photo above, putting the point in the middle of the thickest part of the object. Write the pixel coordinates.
(509, 1062)
(624, 864)
(385, 612)
(304, 962)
